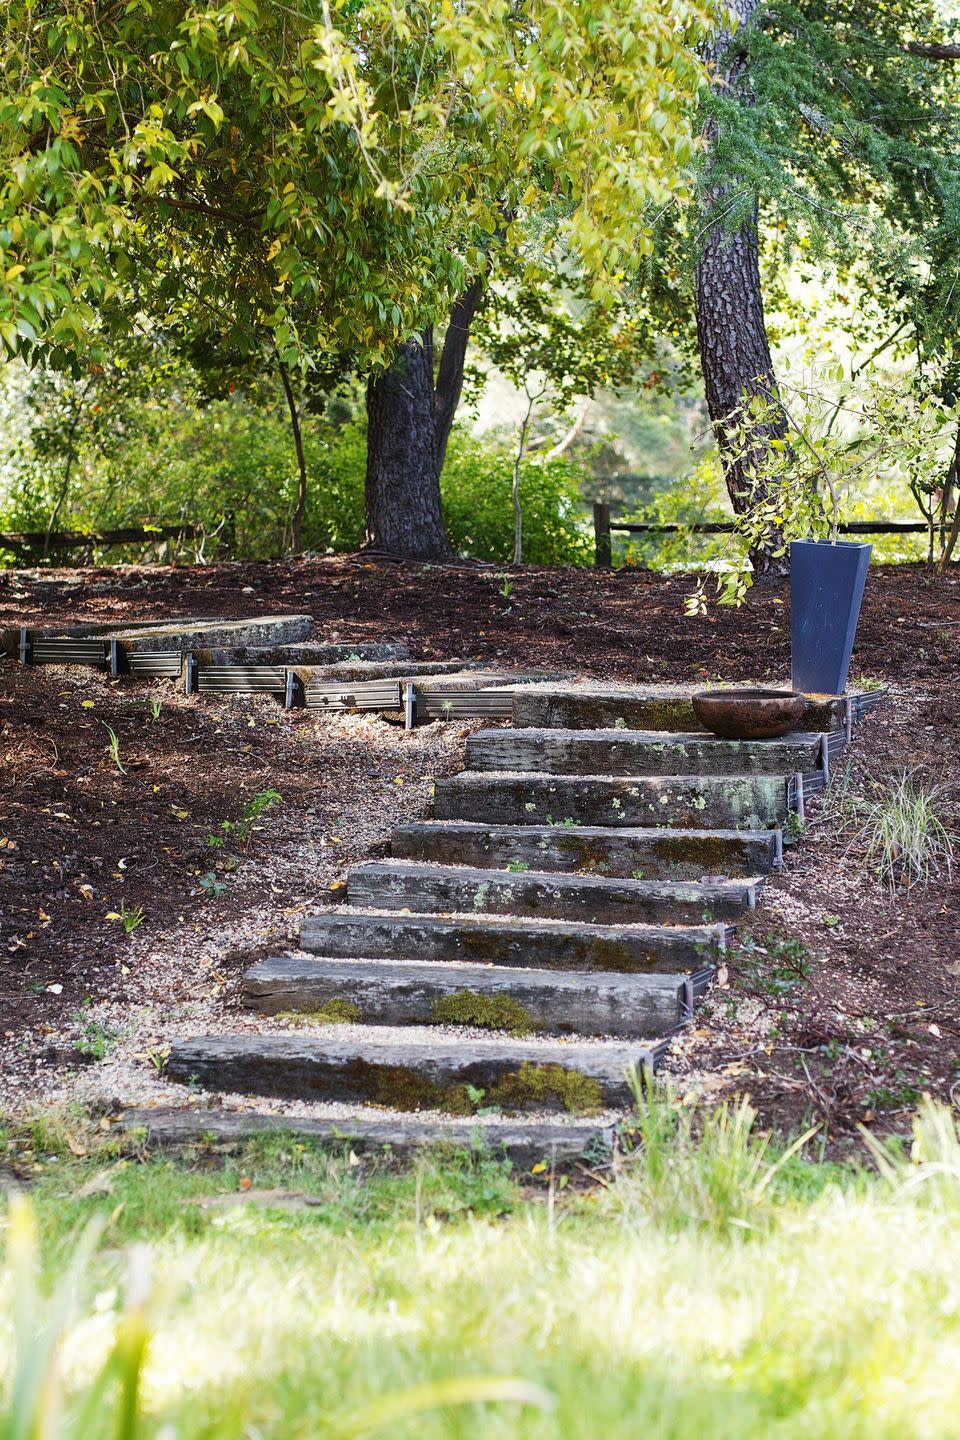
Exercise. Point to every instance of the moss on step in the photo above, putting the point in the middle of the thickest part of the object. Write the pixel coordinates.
(332, 1012)
(400, 1087)
(539, 1085)
(489, 1012)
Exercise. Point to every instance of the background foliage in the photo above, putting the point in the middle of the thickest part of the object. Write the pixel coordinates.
(160, 452)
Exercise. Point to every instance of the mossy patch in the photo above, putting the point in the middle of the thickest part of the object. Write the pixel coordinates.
(613, 955)
(539, 1086)
(402, 1088)
(532, 1087)
(488, 1012)
(332, 1012)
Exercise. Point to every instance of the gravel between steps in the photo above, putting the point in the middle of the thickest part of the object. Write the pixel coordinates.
(184, 980)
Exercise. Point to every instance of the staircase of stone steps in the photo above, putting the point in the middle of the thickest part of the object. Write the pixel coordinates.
(530, 948)
(273, 654)
(521, 959)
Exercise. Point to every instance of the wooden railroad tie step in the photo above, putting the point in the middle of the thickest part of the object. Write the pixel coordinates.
(658, 853)
(638, 752)
(524, 1142)
(425, 1072)
(738, 801)
(531, 944)
(307, 652)
(259, 631)
(409, 885)
(653, 708)
(494, 997)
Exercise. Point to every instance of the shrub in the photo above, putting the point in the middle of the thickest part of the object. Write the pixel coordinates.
(477, 508)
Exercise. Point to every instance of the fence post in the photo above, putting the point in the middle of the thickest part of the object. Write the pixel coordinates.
(601, 527)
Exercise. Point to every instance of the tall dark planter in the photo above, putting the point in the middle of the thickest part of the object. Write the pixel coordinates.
(826, 591)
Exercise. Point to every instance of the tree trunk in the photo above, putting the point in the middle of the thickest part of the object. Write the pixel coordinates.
(732, 337)
(731, 334)
(409, 418)
(300, 507)
(403, 474)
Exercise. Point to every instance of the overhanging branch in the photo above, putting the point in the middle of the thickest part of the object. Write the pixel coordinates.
(932, 50)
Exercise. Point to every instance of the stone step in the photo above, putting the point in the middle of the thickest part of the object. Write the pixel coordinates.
(638, 752)
(412, 885)
(750, 802)
(647, 707)
(524, 1142)
(181, 635)
(491, 997)
(309, 652)
(531, 944)
(385, 669)
(428, 1071)
(661, 854)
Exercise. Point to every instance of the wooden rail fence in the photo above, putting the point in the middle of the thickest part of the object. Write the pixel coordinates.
(27, 540)
(603, 528)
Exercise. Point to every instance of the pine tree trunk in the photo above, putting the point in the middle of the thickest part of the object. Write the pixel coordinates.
(732, 338)
(731, 333)
(408, 424)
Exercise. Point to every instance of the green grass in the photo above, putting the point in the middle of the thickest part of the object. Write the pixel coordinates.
(905, 836)
(715, 1288)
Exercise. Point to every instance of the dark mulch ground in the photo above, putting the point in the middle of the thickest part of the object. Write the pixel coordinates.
(844, 1004)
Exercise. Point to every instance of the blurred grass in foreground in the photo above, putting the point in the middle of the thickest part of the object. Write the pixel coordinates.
(713, 1288)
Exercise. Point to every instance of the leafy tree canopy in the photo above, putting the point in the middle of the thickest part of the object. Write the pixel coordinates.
(320, 177)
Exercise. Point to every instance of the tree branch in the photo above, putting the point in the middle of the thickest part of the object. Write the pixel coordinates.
(565, 441)
(449, 386)
(933, 50)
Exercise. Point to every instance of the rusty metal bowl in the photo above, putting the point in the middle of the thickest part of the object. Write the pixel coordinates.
(749, 714)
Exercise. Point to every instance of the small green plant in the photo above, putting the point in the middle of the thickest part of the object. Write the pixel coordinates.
(905, 836)
(561, 824)
(704, 1169)
(636, 874)
(113, 746)
(212, 885)
(131, 917)
(94, 1039)
(517, 867)
(775, 966)
(506, 587)
(239, 831)
(931, 1168)
(866, 683)
(155, 708)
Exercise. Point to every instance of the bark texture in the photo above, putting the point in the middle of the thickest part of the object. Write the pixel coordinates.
(731, 333)
(732, 337)
(409, 417)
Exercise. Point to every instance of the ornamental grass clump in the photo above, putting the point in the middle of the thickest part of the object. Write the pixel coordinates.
(906, 834)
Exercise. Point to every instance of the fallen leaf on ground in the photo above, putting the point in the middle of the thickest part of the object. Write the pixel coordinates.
(270, 1199)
